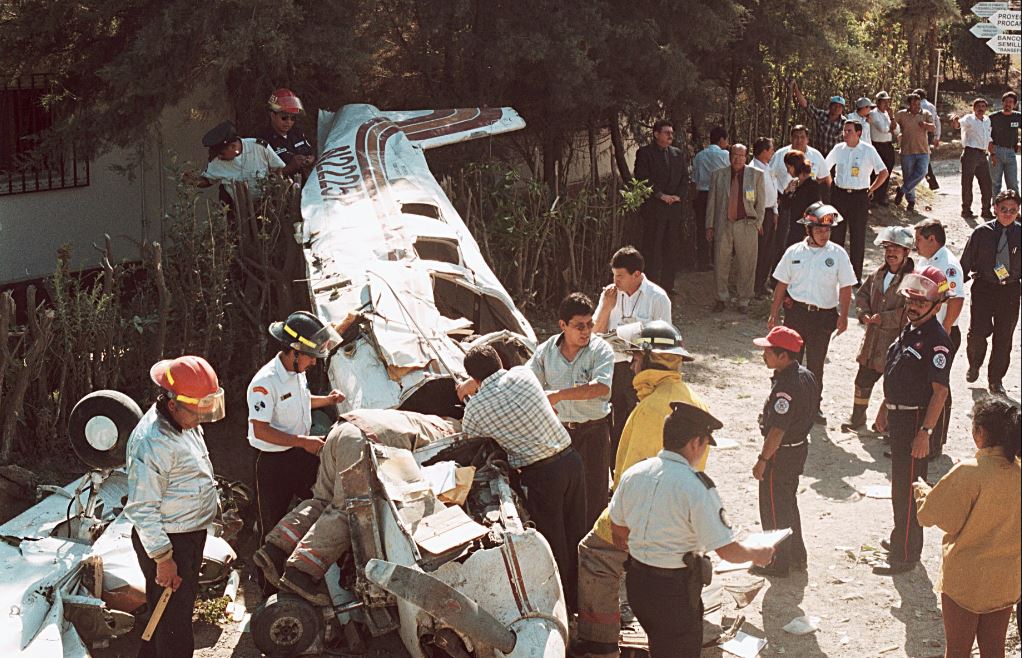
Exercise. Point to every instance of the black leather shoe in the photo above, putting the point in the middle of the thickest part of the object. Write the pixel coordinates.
(972, 374)
(910, 207)
(886, 545)
(967, 214)
(270, 559)
(997, 388)
(892, 568)
(898, 195)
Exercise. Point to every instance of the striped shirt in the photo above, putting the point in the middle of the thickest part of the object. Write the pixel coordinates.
(594, 364)
(512, 409)
(828, 133)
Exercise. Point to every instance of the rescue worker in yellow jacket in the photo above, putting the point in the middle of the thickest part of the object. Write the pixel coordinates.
(657, 356)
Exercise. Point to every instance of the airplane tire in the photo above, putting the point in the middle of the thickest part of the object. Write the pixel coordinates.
(285, 625)
(99, 427)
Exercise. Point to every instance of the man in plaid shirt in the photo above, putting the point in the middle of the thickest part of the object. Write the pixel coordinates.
(829, 123)
(512, 408)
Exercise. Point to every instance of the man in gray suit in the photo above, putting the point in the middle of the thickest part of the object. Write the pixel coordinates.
(734, 220)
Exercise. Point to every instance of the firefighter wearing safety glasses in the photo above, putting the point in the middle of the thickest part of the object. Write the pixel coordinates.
(172, 497)
(280, 415)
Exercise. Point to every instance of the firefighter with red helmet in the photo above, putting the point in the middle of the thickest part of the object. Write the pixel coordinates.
(916, 384)
(172, 498)
(283, 135)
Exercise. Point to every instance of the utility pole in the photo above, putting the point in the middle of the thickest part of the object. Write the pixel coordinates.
(936, 80)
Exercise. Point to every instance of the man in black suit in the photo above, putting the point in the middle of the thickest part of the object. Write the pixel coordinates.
(661, 165)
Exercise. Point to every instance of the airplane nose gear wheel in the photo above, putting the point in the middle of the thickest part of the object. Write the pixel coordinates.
(286, 625)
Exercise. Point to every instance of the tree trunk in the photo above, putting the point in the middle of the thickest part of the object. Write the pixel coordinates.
(619, 147)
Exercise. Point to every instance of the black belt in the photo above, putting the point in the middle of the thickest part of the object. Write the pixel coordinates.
(998, 283)
(572, 426)
(810, 307)
(660, 571)
(847, 191)
(973, 148)
(547, 460)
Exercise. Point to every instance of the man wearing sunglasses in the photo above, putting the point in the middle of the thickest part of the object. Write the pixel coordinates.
(172, 496)
(280, 415)
(576, 370)
(283, 135)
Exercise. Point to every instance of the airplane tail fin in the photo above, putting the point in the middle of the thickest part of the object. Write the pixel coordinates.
(432, 128)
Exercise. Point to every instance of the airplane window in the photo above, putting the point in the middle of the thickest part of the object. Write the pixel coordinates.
(445, 251)
(421, 209)
(488, 314)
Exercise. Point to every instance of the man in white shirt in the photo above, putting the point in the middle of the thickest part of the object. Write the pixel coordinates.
(882, 132)
(814, 285)
(975, 146)
(631, 298)
(854, 162)
(233, 159)
(934, 137)
(769, 241)
(861, 114)
(799, 142)
(931, 239)
(280, 416)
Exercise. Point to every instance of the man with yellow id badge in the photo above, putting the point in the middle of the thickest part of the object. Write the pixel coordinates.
(854, 162)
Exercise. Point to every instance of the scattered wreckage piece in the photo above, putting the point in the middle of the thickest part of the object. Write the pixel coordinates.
(69, 576)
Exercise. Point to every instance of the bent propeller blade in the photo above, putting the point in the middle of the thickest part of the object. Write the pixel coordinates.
(442, 602)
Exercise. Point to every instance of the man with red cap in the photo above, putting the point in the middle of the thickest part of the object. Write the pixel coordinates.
(916, 380)
(787, 419)
(283, 135)
(172, 497)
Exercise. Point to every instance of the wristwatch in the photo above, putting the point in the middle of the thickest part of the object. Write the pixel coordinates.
(928, 430)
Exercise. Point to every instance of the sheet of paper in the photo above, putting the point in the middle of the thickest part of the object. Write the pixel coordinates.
(724, 566)
(744, 645)
(441, 476)
(802, 625)
(768, 538)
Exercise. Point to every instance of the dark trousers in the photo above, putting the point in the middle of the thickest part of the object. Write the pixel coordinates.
(622, 400)
(660, 600)
(793, 231)
(281, 476)
(768, 254)
(995, 310)
(704, 247)
(815, 327)
(865, 379)
(661, 244)
(907, 536)
(975, 165)
(173, 637)
(854, 207)
(592, 442)
(555, 497)
(886, 151)
(778, 503)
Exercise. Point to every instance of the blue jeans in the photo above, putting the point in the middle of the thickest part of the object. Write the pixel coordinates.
(913, 171)
(1007, 166)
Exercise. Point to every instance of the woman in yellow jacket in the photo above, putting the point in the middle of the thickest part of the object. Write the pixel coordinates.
(978, 504)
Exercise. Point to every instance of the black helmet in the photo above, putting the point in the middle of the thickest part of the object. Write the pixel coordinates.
(306, 333)
(658, 337)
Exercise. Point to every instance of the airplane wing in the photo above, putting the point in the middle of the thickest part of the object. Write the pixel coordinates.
(432, 128)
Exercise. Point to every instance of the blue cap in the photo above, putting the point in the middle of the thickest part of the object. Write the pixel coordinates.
(837, 99)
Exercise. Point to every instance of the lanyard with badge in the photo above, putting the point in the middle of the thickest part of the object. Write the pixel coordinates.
(629, 317)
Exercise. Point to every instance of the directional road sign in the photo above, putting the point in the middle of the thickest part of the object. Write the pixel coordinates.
(985, 30)
(985, 9)
(1006, 44)
(1007, 20)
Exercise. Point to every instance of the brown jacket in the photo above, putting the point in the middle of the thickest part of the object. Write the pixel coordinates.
(870, 300)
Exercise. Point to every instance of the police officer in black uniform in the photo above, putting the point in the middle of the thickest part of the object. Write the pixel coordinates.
(993, 259)
(283, 135)
(916, 380)
(786, 421)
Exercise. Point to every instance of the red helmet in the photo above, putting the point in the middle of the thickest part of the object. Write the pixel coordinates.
(192, 381)
(284, 100)
(929, 284)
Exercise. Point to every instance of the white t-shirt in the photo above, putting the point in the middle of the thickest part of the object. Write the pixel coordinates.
(863, 121)
(769, 186)
(975, 131)
(815, 275)
(881, 127)
(854, 165)
(251, 166)
(648, 302)
(817, 162)
(281, 398)
(946, 262)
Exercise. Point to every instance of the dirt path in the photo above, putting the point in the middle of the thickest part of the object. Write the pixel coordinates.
(861, 614)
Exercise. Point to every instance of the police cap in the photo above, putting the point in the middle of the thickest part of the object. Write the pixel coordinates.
(686, 421)
(220, 134)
